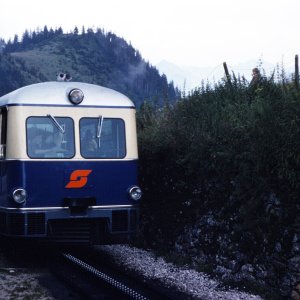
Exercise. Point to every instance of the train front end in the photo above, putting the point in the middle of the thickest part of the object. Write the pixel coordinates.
(68, 164)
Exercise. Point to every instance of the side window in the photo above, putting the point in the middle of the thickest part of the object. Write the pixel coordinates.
(3, 127)
(102, 138)
(50, 137)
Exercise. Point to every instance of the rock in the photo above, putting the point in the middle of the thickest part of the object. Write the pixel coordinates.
(221, 270)
(248, 268)
(295, 295)
(296, 248)
(294, 263)
(210, 221)
(260, 272)
(296, 237)
(278, 247)
(232, 265)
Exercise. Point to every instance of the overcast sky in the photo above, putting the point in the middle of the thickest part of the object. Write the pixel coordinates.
(186, 32)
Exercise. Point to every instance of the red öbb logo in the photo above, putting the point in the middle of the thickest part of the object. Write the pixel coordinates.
(78, 179)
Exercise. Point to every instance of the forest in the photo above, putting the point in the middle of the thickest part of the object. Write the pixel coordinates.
(92, 56)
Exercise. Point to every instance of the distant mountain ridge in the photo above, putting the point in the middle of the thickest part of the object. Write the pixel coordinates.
(189, 77)
(92, 57)
(184, 77)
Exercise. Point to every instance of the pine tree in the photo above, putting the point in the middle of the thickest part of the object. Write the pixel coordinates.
(2, 45)
(90, 31)
(25, 38)
(34, 36)
(46, 32)
(51, 32)
(16, 39)
(59, 31)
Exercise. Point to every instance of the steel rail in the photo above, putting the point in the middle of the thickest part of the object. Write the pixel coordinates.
(106, 278)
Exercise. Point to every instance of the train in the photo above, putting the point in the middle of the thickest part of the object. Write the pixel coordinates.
(68, 163)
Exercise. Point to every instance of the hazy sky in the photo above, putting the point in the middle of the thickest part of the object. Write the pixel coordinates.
(186, 32)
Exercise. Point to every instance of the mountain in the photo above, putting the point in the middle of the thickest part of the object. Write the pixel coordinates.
(92, 57)
(185, 77)
(190, 77)
(14, 74)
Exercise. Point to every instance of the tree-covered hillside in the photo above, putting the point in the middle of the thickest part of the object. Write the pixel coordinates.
(93, 57)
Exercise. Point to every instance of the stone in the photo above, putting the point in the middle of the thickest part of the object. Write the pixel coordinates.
(247, 268)
(295, 295)
(294, 263)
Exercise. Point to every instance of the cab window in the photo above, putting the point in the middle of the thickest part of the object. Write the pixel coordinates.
(50, 137)
(102, 138)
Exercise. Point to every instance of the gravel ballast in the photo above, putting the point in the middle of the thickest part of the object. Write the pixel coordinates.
(27, 283)
(195, 284)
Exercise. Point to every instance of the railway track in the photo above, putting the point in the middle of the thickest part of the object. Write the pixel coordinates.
(85, 272)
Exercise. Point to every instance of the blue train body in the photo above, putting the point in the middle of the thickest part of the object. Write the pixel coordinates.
(68, 166)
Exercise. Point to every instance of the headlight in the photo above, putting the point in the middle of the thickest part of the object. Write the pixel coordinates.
(135, 193)
(19, 195)
(76, 96)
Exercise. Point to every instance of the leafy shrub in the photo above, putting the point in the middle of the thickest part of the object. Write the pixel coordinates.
(228, 149)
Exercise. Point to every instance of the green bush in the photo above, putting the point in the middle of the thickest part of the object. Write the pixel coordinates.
(231, 149)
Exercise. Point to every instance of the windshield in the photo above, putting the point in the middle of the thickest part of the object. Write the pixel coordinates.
(50, 137)
(102, 138)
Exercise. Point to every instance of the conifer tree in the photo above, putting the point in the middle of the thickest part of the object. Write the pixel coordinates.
(25, 38)
(16, 39)
(2, 45)
(51, 32)
(34, 36)
(59, 31)
(46, 32)
(90, 31)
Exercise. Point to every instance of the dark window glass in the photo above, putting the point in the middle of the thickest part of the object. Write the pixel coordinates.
(102, 138)
(50, 137)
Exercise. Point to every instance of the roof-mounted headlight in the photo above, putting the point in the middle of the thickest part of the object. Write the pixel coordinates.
(19, 196)
(135, 193)
(76, 96)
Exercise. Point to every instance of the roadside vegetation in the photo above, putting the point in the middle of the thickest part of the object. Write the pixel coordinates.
(220, 170)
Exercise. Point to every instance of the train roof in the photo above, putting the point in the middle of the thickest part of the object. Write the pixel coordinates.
(56, 93)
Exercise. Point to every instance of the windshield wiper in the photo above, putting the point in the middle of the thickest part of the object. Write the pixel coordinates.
(99, 129)
(61, 129)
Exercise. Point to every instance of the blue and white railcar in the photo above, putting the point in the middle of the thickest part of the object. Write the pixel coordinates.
(68, 163)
